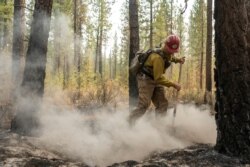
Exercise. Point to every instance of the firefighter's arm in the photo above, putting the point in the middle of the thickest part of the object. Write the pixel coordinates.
(158, 69)
(178, 60)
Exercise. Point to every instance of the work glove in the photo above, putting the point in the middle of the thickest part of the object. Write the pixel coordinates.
(177, 87)
(182, 60)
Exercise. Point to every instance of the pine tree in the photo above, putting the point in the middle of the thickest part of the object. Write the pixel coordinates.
(232, 77)
(133, 48)
(32, 88)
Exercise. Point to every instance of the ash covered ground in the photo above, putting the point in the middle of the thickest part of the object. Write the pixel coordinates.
(105, 139)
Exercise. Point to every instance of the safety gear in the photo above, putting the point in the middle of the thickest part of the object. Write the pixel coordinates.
(149, 91)
(172, 44)
(140, 58)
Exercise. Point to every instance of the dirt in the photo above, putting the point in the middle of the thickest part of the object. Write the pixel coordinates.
(16, 151)
(197, 155)
(20, 151)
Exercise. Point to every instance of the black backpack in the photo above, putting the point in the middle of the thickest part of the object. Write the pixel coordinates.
(141, 57)
(139, 60)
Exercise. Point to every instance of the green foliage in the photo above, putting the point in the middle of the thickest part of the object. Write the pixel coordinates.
(162, 21)
(6, 11)
(64, 6)
(96, 15)
(195, 28)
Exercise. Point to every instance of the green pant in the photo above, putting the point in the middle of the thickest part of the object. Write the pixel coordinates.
(149, 90)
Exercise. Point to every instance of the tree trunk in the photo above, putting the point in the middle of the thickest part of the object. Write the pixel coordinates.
(18, 45)
(133, 48)
(75, 30)
(5, 29)
(57, 41)
(171, 26)
(65, 71)
(101, 37)
(100, 51)
(97, 51)
(208, 92)
(115, 53)
(171, 32)
(232, 77)
(248, 32)
(32, 88)
(1, 33)
(79, 56)
(110, 65)
(180, 69)
(202, 45)
(151, 24)
(77, 42)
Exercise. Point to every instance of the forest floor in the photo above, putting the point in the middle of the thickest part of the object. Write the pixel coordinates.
(25, 151)
(20, 151)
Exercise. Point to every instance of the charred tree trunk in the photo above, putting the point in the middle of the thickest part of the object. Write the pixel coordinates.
(248, 29)
(133, 48)
(232, 76)
(208, 92)
(18, 45)
(32, 88)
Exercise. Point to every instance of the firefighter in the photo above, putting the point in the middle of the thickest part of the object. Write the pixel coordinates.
(151, 79)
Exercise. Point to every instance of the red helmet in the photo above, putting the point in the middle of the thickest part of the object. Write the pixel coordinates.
(172, 44)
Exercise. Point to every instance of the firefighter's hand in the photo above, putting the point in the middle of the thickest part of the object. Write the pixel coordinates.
(182, 60)
(177, 87)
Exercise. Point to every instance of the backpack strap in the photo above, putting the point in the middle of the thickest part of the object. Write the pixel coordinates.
(146, 70)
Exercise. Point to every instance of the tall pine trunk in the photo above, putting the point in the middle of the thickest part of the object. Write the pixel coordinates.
(32, 88)
(5, 28)
(57, 40)
(151, 24)
(202, 45)
(101, 38)
(97, 50)
(232, 76)
(133, 48)
(77, 42)
(208, 92)
(18, 45)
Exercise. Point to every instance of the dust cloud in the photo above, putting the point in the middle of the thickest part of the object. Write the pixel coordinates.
(5, 76)
(104, 137)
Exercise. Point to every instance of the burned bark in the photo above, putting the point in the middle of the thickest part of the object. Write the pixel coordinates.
(133, 48)
(18, 43)
(232, 76)
(32, 88)
(208, 92)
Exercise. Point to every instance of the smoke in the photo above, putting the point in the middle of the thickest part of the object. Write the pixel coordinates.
(104, 137)
(5, 76)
